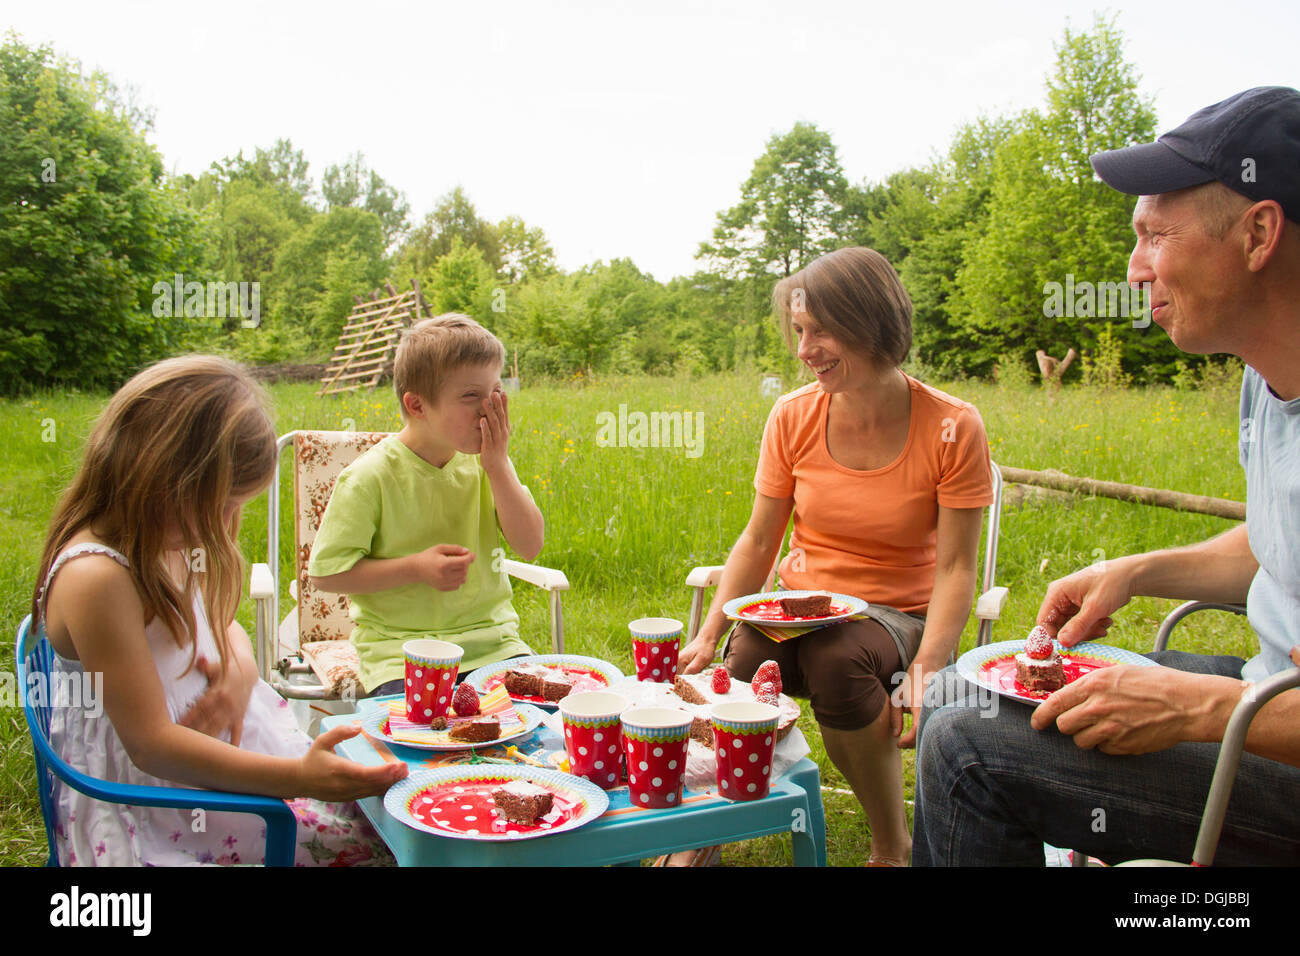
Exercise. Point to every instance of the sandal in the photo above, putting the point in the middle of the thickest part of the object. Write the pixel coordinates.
(704, 856)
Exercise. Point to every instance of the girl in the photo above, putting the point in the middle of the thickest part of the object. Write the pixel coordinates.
(138, 584)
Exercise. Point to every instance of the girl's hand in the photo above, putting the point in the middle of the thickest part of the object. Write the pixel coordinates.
(495, 428)
(327, 776)
(224, 703)
(909, 696)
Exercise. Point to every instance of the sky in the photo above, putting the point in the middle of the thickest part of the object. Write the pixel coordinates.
(623, 129)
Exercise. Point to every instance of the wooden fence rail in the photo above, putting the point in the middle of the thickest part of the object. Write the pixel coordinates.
(1177, 500)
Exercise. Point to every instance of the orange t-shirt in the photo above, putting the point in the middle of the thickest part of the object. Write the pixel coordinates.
(871, 534)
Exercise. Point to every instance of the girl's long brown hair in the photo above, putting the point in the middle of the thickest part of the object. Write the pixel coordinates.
(172, 447)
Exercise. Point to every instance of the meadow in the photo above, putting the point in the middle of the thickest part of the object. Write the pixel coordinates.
(626, 524)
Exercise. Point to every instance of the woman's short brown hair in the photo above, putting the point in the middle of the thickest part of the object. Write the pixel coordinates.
(856, 296)
(431, 349)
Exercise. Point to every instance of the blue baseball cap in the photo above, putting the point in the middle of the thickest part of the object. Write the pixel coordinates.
(1249, 142)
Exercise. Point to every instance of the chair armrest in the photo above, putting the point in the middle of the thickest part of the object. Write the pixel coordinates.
(704, 577)
(1177, 614)
(261, 589)
(991, 602)
(261, 584)
(548, 579)
(1225, 771)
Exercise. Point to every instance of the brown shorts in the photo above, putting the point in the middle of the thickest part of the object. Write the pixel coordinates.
(846, 670)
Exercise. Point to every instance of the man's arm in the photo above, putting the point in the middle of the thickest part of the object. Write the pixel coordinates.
(1078, 607)
(1134, 710)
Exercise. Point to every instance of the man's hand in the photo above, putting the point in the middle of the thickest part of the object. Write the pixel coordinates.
(224, 703)
(445, 566)
(1129, 709)
(1078, 607)
(495, 428)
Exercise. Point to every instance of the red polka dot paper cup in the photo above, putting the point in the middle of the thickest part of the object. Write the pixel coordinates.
(654, 743)
(744, 738)
(655, 643)
(593, 736)
(431, 668)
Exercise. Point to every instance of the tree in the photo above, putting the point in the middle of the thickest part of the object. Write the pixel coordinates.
(454, 217)
(460, 281)
(88, 225)
(789, 209)
(317, 270)
(524, 252)
(281, 166)
(1051, 219)
(354, 184)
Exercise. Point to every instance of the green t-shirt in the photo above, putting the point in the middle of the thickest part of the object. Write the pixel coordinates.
(389, 503)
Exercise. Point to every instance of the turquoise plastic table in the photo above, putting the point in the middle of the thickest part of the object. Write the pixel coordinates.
(623, 835)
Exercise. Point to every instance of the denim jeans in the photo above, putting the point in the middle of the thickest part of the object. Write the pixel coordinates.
(992, 791)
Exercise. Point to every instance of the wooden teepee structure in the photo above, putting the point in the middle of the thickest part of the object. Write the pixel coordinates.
(366, 346)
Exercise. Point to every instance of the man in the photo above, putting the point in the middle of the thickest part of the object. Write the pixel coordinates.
(1118, 763)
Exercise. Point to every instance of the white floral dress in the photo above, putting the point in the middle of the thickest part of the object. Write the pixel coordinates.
(89, 832)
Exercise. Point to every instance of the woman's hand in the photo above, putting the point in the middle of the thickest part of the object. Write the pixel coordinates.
(327, 776)
(224, 703)
(698, 654)
(909, 697)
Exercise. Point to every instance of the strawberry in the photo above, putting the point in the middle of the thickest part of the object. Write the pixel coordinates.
(768, 672)
(721, 680)
(465, 701)
(1038, 645)
(767, 694)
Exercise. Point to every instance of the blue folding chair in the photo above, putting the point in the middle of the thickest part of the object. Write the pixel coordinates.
(34, 659)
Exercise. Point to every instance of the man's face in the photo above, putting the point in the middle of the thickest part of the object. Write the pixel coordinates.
(1196, 279)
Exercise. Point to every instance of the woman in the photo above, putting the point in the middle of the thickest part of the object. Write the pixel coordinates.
(887, 479)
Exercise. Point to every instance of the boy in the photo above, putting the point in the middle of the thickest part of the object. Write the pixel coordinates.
(410, 530)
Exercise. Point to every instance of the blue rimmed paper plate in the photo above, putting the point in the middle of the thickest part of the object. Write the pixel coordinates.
(600, 672)
(375, 723)
(765, 608)
(457, 802)
(994, 666)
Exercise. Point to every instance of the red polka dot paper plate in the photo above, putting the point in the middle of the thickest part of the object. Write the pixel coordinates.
(994, 666)
(765, 608)
(457, 802)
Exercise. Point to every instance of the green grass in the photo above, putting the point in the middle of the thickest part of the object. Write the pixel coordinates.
(627, 524)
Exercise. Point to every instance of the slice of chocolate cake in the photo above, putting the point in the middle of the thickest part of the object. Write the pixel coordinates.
(525, 681)
(522, 802)
(814, 605)
(702, 730)
(556, 685)
(687, 691)
(475, 730)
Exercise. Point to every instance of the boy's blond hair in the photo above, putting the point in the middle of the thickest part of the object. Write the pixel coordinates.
(431, 349)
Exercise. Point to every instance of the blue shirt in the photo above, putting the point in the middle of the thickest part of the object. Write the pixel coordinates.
(1269, 446)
